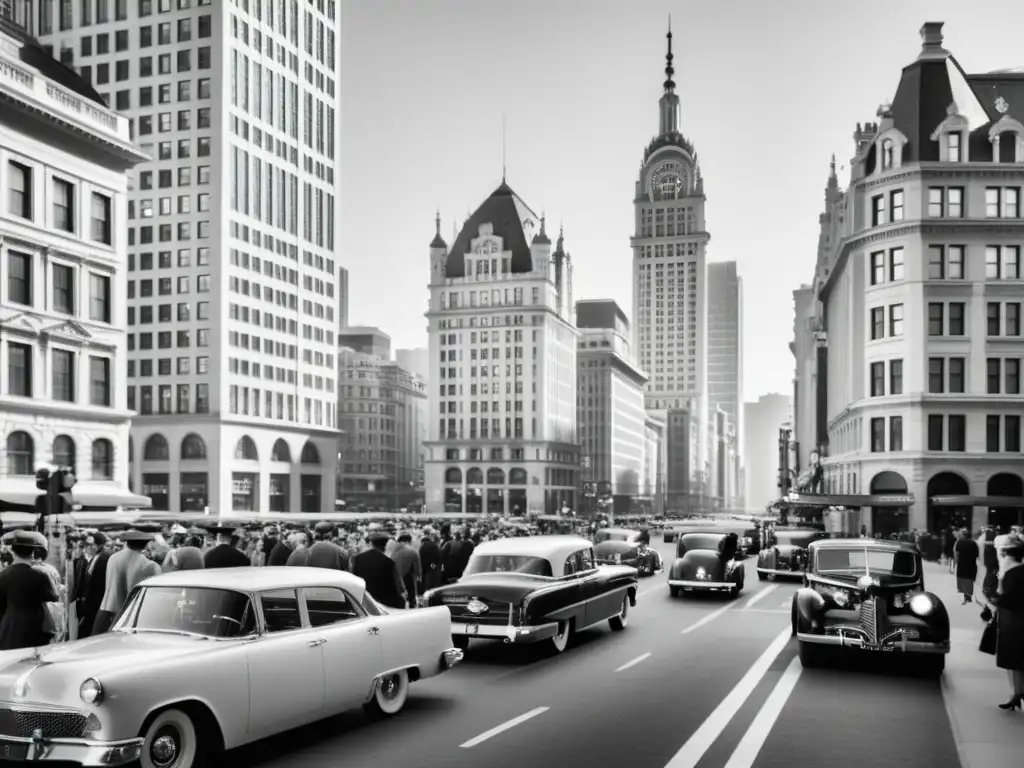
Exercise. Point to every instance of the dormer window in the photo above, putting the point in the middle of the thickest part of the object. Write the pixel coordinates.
(953, 147)
(887, 154)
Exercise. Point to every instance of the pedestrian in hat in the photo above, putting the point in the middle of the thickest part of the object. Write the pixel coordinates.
(430, 560)
(25, 593)
(380, 573)
(125, 571)
(325, 553)
(225, 554)
(410, 570)
(301, 542)
(91, 581)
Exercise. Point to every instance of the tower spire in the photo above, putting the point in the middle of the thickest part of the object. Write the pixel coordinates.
(668, 106)
(437, 221)
(669, 71)
(503, 166)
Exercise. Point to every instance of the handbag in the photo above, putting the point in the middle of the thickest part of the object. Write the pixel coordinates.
(988, 639)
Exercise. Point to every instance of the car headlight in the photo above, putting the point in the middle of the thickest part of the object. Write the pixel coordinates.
(841, 597)
(617, 558)
(91, 691)
(902, 600)
(922, 604)
(701, 573)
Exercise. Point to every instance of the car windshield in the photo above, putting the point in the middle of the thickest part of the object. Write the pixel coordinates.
(612, 536)
(221, 613)
(701, 541)
(533, 566)
(863, 560)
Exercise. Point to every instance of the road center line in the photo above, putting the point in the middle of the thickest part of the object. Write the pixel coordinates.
(504, 727)
(634, 662)
(700, 742)
(761, 595)
(706, 619)
(753, 740)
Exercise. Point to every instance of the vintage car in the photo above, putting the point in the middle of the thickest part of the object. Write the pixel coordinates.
(750, 542)
(622, 546)
(535, 589)
(869, 595)
(204, 660)
(786, 553)
(706, 562)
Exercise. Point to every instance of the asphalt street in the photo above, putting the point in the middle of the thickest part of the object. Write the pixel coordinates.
(691, 683)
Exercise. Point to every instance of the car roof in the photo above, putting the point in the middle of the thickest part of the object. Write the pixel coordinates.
(628, 531)
(554, 549)
(704, 532)
(248, 579)
(902, 546)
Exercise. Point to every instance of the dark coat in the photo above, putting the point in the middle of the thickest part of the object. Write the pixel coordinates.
(24, 593)
(430, 562)
(93, 587)
(327, 554)
(966, 559)
(381, 576)
(279, 554)
(225, 556)
(1010, 620)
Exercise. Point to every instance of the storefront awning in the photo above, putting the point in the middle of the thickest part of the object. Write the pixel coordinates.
(99, 495)
(994, 502)
(18, 494)
(805, 500)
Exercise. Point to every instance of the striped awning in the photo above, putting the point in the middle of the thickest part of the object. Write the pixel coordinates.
(993, 502)
(848, 500)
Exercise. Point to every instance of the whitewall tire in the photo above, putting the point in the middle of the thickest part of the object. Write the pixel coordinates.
(619, 622)
(561, 641)
(390, 693)
(171, 741)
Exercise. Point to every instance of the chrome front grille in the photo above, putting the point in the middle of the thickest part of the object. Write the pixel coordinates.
(53, 725)
(872, 614)
(496, 613)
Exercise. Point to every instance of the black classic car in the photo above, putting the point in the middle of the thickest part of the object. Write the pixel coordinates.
(706, 562)
(786, 553)
(534, 589)
(750, 542)
(869, 595)
(622, 546)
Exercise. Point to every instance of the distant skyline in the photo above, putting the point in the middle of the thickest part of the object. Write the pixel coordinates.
(769, 91)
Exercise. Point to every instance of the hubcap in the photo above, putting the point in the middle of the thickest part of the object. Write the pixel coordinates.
(389, 687)
(164, 750)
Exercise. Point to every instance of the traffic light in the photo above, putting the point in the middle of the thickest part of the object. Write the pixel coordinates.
(56, 498)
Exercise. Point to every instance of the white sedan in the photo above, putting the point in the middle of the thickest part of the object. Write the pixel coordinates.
(201, 661)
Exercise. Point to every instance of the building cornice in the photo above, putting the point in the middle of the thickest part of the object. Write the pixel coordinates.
(108, 261)
(64, 411)
(696, 237)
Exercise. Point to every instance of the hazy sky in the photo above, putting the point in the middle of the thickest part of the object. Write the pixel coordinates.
(769, 90)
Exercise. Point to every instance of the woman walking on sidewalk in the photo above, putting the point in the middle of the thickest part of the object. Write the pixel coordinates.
(1009, 603)
(966, 554)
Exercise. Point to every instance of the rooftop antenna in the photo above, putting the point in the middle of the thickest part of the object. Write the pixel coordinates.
(502, 147)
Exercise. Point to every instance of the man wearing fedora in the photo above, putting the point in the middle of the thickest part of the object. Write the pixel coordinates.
(91, 581)
(125, 570)
(325, 553)
(25, 592)
(225, 554)
(380, 573)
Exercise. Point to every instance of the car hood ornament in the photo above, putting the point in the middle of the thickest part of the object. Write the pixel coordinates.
(476, 607)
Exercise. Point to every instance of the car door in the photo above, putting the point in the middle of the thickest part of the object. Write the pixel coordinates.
(286, 667)
(351, 648)
(588, 585)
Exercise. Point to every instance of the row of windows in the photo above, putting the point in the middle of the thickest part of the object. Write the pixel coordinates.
(183, 367)
(146, 38)
(64, 293)
(476, 454)
(144, 262)
(946, 262)
(143, 401)
(949, 319)
(247, 402)
(948, 202)
(21, 459)
(65, 199)
(65, 378)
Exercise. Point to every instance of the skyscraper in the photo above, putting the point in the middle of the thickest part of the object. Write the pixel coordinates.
(725, 343)
(669, 277)
(232, 294)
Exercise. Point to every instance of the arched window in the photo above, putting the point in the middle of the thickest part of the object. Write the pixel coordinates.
(64, 451)
(310, 455)
(453, 476)
(156, 449)
(887, 154)
(475, 477)
(102, 459)
(280, 452)
(21, 458)
(495, 476)
(193, 447)
(517, 476)
(246, 449)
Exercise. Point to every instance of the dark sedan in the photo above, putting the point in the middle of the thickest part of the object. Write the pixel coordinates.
(786, 554)
(622, 546)
(706, 562)
(869, 595)
(535, 589)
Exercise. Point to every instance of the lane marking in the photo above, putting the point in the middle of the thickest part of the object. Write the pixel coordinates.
(786, 603)
(761, 595)
(503, 727)
(634, 662)
(707, 619)
(766, 610)
(757, 734)
(704, 737)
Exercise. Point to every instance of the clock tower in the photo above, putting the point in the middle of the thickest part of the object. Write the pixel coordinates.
(670, 293)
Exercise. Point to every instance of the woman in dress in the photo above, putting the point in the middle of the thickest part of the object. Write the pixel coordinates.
(966, 555)
(256, 554)
(1009, 604)
(25, 592)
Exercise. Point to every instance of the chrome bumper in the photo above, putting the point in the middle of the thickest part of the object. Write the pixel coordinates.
(506, 632)
(701, 584)
(898, 644)
(779, 572)
(451, 657)
(81, 751)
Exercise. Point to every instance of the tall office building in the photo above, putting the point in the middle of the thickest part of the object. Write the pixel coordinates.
(725, 343)
(233, 297)
(416, 360)
(63, 163)
(669, 274)
(764, 418)
(367, 340)
(503, 366)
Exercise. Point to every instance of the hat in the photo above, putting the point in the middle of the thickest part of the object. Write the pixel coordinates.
(223, 530)
(133, 535)
(26, 539)
(1013, 542)
(98, 538)
(379, 538)
(324, 527)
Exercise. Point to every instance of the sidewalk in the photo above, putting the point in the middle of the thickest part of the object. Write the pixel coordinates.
(973, 685)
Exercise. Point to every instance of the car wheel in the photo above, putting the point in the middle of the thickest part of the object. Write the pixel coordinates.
(762, 576)
(460, 641)
(673, 591)
(932, 665)
(810, 655)
(390, 693)
(618, 623)
(561, 641)
(171, 741)
(734, 592)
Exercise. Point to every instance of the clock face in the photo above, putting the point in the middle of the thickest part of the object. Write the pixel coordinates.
(667, 181)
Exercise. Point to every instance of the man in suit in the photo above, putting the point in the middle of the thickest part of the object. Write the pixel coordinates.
(125, 570)
(380, 574)
(430, 560)
(90, 581)
(225, 554)
(410, 570)
(325, 553)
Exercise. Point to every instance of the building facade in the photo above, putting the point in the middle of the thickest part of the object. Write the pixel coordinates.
(64, 157)
(379, 405)
(725, 355)
(233, 300)
(417, 360)
(921, 304)
(367, 340)
(669, 272)
(764, 419)
(610, 412)
(502, 366)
